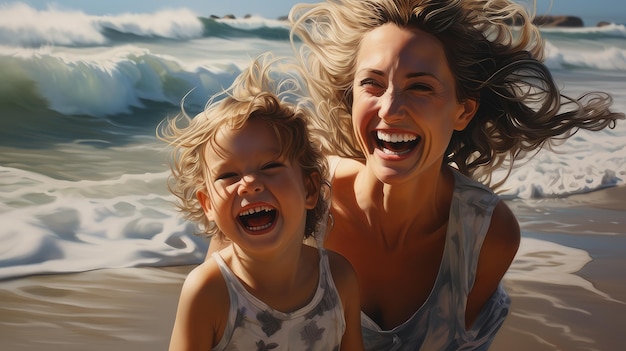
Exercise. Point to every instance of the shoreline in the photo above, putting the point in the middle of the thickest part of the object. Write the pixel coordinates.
(577, 307)
(123, 309)
(134, 308)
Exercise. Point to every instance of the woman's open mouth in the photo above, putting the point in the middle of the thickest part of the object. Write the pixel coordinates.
(396, 144)
(258, 219)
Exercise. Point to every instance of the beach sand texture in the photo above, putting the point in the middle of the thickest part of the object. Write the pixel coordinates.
(83, 181)
(568, 294)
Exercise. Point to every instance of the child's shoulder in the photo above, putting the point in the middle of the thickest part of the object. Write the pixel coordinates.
(342, 271)
(336, 260)
(340, 267)
(206, 280)
(203, 305)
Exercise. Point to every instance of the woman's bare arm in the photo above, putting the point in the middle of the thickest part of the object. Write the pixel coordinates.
(497, 253)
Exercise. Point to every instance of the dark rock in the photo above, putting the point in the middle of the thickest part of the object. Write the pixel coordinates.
(558, 21)
(551, 21)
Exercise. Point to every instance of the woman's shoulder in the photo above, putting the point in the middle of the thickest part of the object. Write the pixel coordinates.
(343, 173)
(504, 232)
(465, 183)
(496, 254)
(343, 167)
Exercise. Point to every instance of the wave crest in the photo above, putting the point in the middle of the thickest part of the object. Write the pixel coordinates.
(23, 25)
(112, 82)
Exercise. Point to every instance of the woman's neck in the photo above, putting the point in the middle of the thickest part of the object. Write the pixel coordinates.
(421, 205)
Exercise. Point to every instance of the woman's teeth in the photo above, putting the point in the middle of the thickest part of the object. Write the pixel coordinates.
(396, 143)
(395, 137)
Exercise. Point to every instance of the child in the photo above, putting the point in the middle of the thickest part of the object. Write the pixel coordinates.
(248, 171)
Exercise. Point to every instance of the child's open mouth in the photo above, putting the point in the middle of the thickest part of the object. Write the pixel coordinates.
(258, 219)
(396, 143)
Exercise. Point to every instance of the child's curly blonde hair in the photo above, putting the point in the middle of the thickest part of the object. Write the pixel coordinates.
(253, 95)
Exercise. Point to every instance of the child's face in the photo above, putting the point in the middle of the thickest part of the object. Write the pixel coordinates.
(257, 197)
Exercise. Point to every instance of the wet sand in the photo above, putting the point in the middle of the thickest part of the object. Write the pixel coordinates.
(568, 285)
(111, 309)
(580, 310)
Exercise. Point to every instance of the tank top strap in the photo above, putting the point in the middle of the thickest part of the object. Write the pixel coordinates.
(226, 272)
(333, 162)
(320, 236)
(323, 262)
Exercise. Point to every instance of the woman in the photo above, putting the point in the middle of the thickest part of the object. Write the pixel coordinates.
(423, 100)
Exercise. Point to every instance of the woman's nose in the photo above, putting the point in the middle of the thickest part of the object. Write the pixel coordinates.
(391, 106)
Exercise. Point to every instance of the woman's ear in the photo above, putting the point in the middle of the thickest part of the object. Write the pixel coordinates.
(312, 184)
(468, 110)
(205, 202)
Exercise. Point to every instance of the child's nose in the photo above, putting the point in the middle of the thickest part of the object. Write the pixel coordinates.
(250, 184)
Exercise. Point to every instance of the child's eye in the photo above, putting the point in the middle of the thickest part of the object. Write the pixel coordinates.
(271, 165)
(226, 176)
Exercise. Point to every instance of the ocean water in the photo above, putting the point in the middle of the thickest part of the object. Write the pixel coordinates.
(83, 177)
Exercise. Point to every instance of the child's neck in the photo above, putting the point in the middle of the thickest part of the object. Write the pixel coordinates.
(285, 282)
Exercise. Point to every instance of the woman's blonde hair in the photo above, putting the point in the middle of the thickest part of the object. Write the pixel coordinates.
(493, 50)
(257, 93)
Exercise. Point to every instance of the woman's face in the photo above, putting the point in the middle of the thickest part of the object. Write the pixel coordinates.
(405, 106)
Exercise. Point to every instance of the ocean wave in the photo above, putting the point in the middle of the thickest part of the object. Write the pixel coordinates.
(602, 59)
(254, 22)
(253, 27)
(62, 226)
(24, 26)
(108, 83)
(586, 162)
(119, 79)
(590, 33)
(171, 24)
(56, 225)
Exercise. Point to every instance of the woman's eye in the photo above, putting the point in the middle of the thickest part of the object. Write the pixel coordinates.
(370, 82)
(420, 87)
(372, 86)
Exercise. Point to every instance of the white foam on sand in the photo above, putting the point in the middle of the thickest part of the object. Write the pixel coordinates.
(547, 262)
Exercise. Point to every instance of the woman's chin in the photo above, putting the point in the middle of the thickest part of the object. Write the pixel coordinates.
(393, 168)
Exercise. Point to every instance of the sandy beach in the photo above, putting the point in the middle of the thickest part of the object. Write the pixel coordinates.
(586, 311)
(570, 303)
(83, 177)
